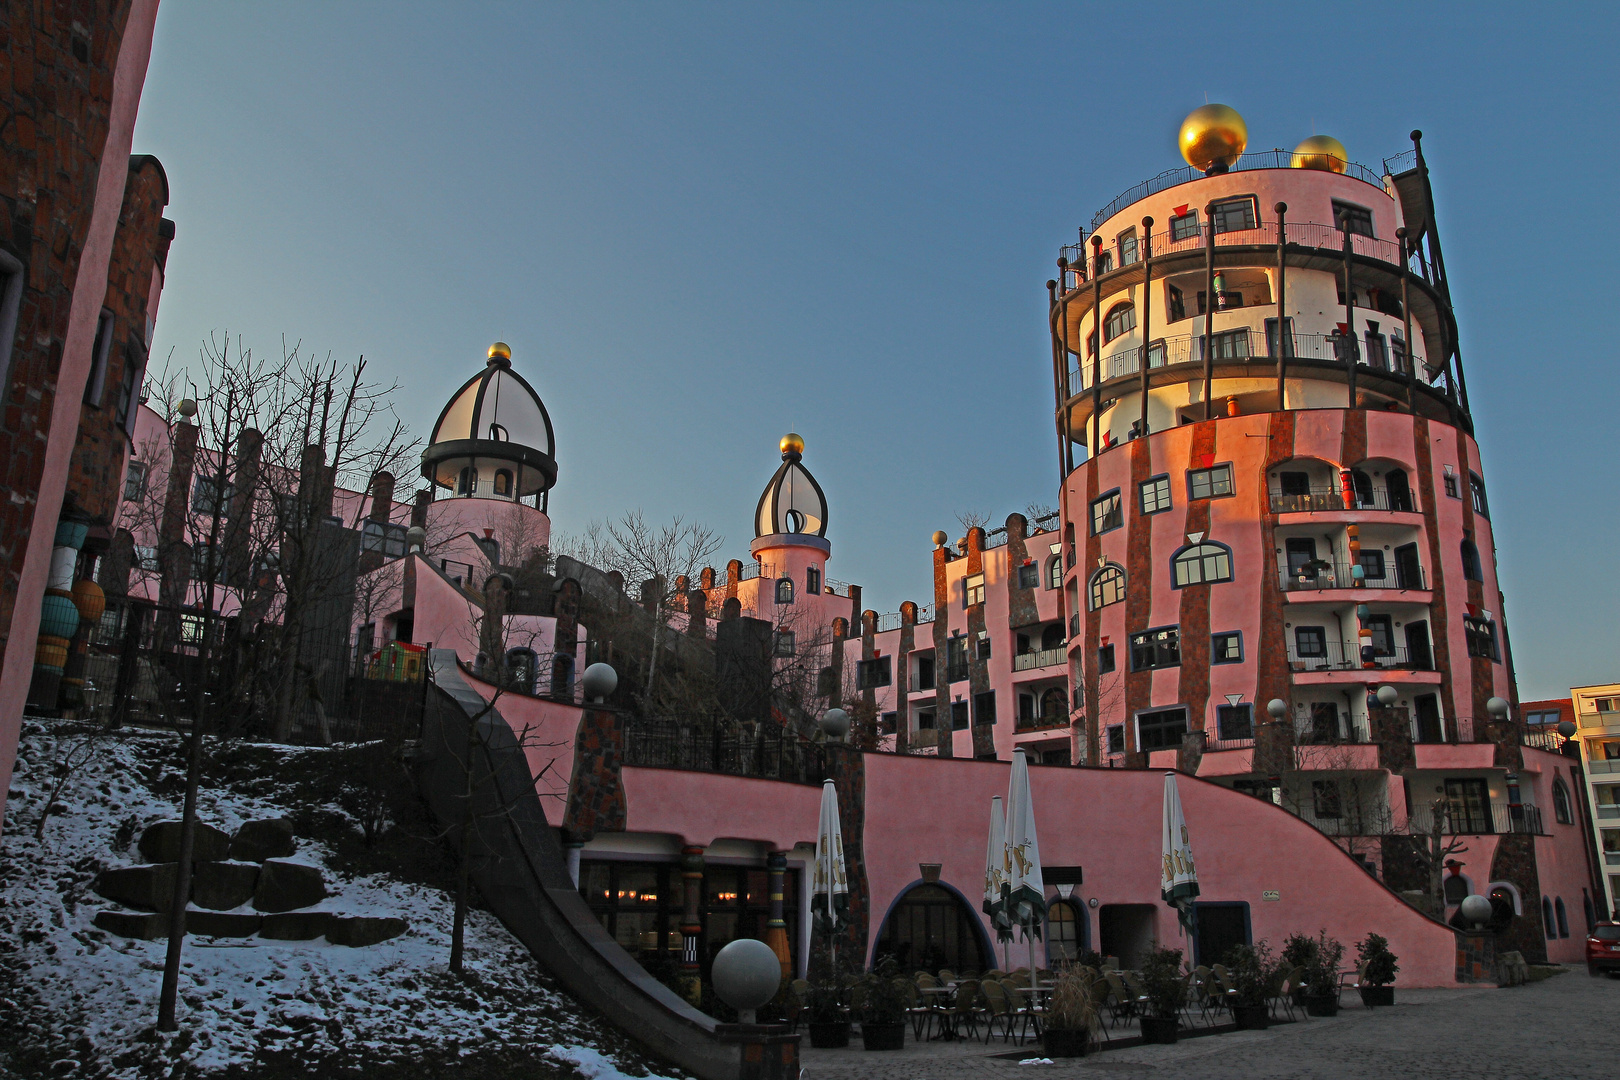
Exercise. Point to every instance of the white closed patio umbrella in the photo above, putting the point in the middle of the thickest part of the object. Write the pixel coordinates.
(1025, 892)
(994, 876)
(1178, 878)
(829, 883)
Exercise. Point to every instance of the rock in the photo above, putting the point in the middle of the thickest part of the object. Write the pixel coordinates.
(222, 923)
(223, 885)
(284, 886)
(295, 925)
(148, 887)
(357, 931)
(145, 925)
(161, 843)
(257, 841)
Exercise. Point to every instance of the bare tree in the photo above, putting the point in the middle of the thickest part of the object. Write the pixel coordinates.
(973, 519)
(1432, 847)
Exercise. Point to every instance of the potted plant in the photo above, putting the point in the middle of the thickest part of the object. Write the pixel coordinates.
(1379, 966)
(1165, 985)
(1255, 977)
(1071, 1013)
(1299, 951)
(1322, 977)
(883, 1006)
(828, 1019)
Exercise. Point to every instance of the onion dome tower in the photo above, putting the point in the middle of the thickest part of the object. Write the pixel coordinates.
(790, 526)
(494, 439)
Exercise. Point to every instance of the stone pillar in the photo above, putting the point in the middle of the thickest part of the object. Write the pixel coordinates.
(776, 930)
(419, 509)
(692, 924)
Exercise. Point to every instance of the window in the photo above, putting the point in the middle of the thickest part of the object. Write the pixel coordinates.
(1105, 659)
(1605, 704)
(925, 673)
(1234, 215)
(812, 581)
(887, 724)
(1377, 348)
(1054, 573)
(1201, 564)
(146, 558)
(11, 283)
(1029, 576)
(1106, 513)
(383, 536)
(1287, 341)
(1562, 811)
(1450, 483)
(1358, 219)
(1227, 345)
(1116, 738)
(925, 720)
(99, 352)
(135, 481)
(956, 662)
(959, 715)
(1476, 487)
(1176, 304)
(1156, 648)
(1234, 721)
(784, 590)
(973, 590)
(205, 563)
(1154, 494)
(1325, 800)
(1310, 642)
(1127, 247)
(1226, 648)
(1225, 300)
(1107, 586)
(1063, 940)
(984, 708)
(1295, 483)
(1468, 802)
(870, 674)
(783, 643)
(1481, 637)
(1383, 635)
(1372, 565)
(1105, 262)
(981, 649)
(1162, 729)
(210, 495)
(503, 483)
(467, 481)
(1563, 917)
(1184, 227)
(1470, 561)
(1121, 319)
(1209, 483)
(1541, 717)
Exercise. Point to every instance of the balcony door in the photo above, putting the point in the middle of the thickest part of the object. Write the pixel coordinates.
(1400, 494)
(1468, 801)
(1417, 647)
(1427, 708)
(1301, 553)
(1408, 571)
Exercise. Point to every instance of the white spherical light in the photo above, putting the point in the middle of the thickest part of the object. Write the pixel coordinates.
(1278, 708)
(835, 722)
(1475, 910)
(1497, 707)
(1388, 695)
(746, 974)
(599, 681)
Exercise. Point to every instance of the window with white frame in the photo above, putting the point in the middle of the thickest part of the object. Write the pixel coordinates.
(1154, 494)
(1106, 513)
(1202, 564)
(1212, 483)
(1107, 586)
(135, 481)
(973, 590)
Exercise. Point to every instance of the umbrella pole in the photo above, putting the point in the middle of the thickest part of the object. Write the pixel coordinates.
(1034, 979)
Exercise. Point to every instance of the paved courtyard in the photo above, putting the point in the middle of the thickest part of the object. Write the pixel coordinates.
(1563, 1027)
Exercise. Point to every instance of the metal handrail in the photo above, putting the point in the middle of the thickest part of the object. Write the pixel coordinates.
(1332, 498)
(1319, 577)
(1348, 732)
(1039, 659)
(1500, 819)
(1259, 159)
(1346, 656)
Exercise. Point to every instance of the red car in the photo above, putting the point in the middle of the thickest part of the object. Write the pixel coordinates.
(1603, 948)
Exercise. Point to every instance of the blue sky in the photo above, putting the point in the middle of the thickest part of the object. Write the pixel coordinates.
(701, 225)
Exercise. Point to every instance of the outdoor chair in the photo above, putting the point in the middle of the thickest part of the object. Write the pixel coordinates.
(1352, 980)
(1139, 997)
(1021, 1009)
(1224, 983)
(947, 976)
(798, 994)
(919, 1010)
(963, 1010)
(1120, 1002)
(1189, 997)
(926, 981)
(998, 1008)
(1285, 993)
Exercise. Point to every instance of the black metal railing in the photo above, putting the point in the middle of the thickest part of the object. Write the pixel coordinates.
(1315, 577)
(1349, 656)
(768, 752)
(1342, 731)
(1332, 498)
(1041, 723)
(1258, 159)
(1498, 818)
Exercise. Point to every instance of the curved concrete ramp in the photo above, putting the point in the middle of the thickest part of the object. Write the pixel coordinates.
(522, 874)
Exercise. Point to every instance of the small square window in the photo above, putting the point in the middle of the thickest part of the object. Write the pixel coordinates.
(981, 649)
(1154, 494)
(1105, 659)
(1106, 513)
(959, 715)
(925, 719)
(1116, 738)
(1358, 218)
(812, 581)
(784, 643)
(870, 674)
(1480, 635)
(1029, 576)
(1234, 721)
(1209, 483)
(984, 708)
(1234, 215)
(974, 590)
(1310, 642)
(1184, 227)
(1450, 482)
(887, 723)
(1372, 565)
(1226, 648)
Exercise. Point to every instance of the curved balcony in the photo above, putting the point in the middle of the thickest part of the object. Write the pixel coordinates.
(1323, 577)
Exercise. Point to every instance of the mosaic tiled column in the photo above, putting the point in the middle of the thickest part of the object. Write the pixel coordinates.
(776, 935)
(58, 617)
(691, 924)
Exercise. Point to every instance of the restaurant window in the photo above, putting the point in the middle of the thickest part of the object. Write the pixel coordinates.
(1154, 494)
(1184, 227)
(1480, 635)
(1234, 215)
(870, 674)
(1226, 648)
(1162, 729)
(956, 661)
(1207, 563)
(1107, 586)
(1105, 659)
(1121, 319)
(1156, 648)
(135, 481)
(1234, 721)
(1209, 483)
(973, 590)
(1106, 513)
(1358, 219)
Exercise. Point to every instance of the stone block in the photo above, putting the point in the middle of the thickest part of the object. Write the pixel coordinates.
(150, 888)
(257, 841)
(284, 886)
(144, 925)
(222, 923)
(357, 931)
(223, 885)
(295, 925)
(161, 843)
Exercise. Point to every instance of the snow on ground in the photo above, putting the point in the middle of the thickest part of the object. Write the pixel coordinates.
(77, 1001)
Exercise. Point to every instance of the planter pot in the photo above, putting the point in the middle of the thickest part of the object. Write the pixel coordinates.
(1064, 1043)
(830, 1035)
(882, 1036)
(1377, 995)
(1159, 1029)
(1251, 1017)
(1322, 1005)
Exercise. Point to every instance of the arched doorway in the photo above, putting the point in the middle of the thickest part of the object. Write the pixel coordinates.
(932, 927)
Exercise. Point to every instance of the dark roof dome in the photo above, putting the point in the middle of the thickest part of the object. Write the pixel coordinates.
(497, 427)
(792, 502)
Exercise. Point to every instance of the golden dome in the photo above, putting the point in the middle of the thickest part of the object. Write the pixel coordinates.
(500, 349)
(1322, 152)
(792, 444)
(1213, 137)
(940, 537)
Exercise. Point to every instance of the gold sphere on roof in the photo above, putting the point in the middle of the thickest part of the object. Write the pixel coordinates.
(792, 443)
(1213, 137)
(1322, 152)
(940, 537)
(500, 349)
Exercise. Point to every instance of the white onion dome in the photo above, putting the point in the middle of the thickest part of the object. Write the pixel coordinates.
(792, 502)
(494, 439)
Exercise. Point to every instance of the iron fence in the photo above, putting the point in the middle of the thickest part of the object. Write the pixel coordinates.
(1352, 656)
(1461, 820)
(1317, 577)
(1332, 498)
(767, 752)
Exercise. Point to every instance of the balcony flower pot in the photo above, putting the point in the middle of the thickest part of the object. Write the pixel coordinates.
(1372, 996)
(1322, 1004)
(876, 1036)
(1159, 1029)
(1251, 1017)
(1064, 1042)
(829, 1034)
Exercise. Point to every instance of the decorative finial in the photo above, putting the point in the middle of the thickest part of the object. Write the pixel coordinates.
(940, 536)
(1213, 138)
(1322, 152)
(792, 445)
(500, 354)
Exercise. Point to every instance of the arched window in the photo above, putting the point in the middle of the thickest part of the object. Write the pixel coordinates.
(520, 670)
(1563, 917)
(467, 482)
(1470, 561)
(1455, 888)
(1201, 564)
(784, 590)
(503, 483)
(1054, 704)
(1107, 586)
(1562, 813)
(1547, 918)
(1054, 573)
(1065, 937)
(1121, 319)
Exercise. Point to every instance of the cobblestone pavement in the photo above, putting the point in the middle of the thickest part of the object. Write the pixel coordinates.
(1562, 1027)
